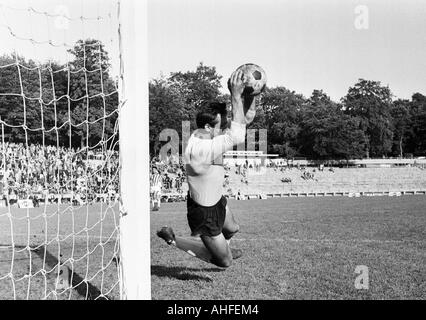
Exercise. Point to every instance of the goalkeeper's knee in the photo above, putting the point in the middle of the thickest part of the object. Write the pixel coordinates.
(228, 234)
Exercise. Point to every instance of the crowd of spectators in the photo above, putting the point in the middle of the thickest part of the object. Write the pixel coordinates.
(172, 171)
(50, 173)
(243, 169)
(306, 175)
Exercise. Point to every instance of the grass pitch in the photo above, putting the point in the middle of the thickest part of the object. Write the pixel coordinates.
(302, 248)
(294, 248)
(35, 242)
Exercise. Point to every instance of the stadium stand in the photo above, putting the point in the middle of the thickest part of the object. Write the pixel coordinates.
(245, 180)
(56, 174)
(328, 181)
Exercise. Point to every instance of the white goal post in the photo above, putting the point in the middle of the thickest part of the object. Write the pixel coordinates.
(134, 146)
(74, 150)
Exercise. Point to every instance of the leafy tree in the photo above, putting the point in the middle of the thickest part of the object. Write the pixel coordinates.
(328, 133)
(94, 99)
(371, 102)
(195, 87)
(22, 106)
(418, 115)
(71, 103)
(282, 113)
(11, 104)
(178, 98)
(166, 111)
(401, 123)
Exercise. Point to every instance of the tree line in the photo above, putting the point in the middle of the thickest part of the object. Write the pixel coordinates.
(368, 122)
(76, 103)
(72, 104)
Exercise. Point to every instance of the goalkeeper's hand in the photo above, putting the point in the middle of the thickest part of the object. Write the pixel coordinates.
(243, 107)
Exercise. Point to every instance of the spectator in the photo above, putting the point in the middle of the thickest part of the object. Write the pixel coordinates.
(45, 172)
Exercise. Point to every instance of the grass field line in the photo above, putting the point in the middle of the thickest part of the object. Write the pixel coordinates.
(288, 239)
(284, 239)
(61, 236)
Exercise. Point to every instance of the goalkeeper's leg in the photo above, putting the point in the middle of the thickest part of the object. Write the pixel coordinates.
(230, 226)
(212, 249)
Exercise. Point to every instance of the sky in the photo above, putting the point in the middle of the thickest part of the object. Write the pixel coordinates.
(302, 45)
(47, 24)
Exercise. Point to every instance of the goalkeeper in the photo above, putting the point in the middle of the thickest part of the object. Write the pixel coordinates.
(207, 211)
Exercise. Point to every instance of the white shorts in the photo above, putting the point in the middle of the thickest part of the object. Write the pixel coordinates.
(156, 191)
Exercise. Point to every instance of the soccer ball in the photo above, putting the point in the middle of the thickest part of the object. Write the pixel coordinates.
(254, 79)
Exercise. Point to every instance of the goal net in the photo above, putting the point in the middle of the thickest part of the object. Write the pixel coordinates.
(61, 204)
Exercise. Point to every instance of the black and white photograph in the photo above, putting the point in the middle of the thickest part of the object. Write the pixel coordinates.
(287, 136)
(218, 150)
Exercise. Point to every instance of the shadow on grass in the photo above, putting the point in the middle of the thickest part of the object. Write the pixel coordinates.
(182, 273)
(83, 287)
